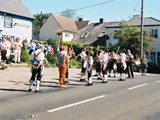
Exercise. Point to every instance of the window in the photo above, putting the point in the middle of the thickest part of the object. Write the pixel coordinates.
(8, 20)
(101, 34)
(154, 33)
(83, 36)
(67, 34)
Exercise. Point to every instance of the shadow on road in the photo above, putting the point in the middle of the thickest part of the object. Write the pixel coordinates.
(9, 89)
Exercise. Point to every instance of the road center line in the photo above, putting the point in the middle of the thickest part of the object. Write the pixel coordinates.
(137, 86)
(77, 103)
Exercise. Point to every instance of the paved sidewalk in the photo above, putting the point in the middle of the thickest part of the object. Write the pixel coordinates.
(18, 77)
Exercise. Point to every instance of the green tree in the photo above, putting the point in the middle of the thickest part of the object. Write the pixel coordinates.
(39, 19)
(129, 38)
(69, 14)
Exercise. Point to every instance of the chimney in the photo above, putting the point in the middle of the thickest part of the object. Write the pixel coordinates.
(136, 16)
(80, 19)
(101, 20)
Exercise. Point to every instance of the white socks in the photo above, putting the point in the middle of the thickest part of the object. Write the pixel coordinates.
(37, 85)
(90, 80)
(105, 78)
(31, 84)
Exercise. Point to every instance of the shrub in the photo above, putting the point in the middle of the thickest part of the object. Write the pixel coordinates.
(52, 60)
(74, 63)
(24, 54)
(53, 44)
(153, 67)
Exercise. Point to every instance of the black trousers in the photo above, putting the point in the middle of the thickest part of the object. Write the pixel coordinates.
(130, 69)
(36, 73)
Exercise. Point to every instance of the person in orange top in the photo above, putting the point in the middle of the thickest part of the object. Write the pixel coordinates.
(63, 64)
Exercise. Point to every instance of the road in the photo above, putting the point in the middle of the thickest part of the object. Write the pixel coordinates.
(133, 99)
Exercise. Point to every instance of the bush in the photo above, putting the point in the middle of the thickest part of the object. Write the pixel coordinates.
(74, 63)
(52, 60)
(53, 44)
(153, 67)
(24, 54)
(77, 47)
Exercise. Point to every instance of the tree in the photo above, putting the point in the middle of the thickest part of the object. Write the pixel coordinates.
(39, 19)
(129, 38)
(69, 14)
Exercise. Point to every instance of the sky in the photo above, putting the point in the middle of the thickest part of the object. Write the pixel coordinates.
(110, 10)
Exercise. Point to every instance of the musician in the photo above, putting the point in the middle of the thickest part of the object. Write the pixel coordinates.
(37, 68)
(63, 64)
(99, 61)
(84, 63)
(70, 55)
(105, 60)
(123, 65)
(113, 63)
(89, 67)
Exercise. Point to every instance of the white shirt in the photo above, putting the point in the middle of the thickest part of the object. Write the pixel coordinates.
(40, 57)
(2, 46)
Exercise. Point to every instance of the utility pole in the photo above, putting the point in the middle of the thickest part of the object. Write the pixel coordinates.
(141, 29)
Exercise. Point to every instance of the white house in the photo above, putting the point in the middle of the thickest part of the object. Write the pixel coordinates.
(150, 23)
(15, 20)
(56, 22)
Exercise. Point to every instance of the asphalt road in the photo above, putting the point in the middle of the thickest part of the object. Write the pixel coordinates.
(133, 99)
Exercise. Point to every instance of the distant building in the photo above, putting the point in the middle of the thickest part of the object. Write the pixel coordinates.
(56, 22)
(92, 34)
(15, 20)
(150, 23)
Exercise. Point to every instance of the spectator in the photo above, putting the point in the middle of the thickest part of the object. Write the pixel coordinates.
(31, 47)
(3, 53)
(129, 62)
(38, 44)
(144, 65)
(17, 50)
(46, 46)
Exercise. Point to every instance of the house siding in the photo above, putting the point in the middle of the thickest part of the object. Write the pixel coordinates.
(49, 30)
(156, 49)
(21, 27)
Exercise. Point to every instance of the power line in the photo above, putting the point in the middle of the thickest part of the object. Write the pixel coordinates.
(90, 6)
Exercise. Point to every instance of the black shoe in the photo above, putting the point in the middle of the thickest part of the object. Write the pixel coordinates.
(82, 80)
(128, 77)
(114, 76)
(65, 82)
(99, 78)
(123, 79)
(2, 68)
(95, 75)
(120, 79)
(89, 84)
(109, 76)
(29, 90)
(104, 81)
(38, 91)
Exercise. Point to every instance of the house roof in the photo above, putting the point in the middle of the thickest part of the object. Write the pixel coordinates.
(136, 21)
(93, 32)
(81, 24)
(66, 24)
(15, 7)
